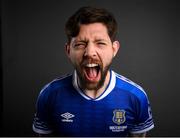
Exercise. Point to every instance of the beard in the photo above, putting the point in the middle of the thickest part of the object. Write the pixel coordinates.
(84, 83)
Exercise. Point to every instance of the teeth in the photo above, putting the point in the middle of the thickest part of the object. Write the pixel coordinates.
(91, 65)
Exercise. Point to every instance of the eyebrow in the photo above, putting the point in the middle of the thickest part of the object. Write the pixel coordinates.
(100, 40)
(81, 40)
(86, 41)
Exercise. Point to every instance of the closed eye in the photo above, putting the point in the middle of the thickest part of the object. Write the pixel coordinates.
(79, 45)
(101, 43)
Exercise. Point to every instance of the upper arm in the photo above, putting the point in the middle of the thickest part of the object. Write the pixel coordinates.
(42, 122)
(143, 119)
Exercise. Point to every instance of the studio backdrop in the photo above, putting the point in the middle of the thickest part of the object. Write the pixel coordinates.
(33, 42)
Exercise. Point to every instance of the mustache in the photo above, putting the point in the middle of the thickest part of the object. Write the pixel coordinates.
(90, 61)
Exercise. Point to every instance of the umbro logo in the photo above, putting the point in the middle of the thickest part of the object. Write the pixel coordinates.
(67, 117)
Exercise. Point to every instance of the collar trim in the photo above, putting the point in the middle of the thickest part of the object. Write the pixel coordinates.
(108, 89)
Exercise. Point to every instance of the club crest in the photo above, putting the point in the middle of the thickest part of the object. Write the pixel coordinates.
(119, 116)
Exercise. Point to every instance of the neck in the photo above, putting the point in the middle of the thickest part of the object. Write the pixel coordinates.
(96, 93)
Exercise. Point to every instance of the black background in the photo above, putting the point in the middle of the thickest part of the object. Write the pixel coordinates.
(33, 54)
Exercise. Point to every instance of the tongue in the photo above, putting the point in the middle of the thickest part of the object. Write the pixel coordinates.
(91, 72)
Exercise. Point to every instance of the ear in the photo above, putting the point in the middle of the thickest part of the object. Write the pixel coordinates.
(67, 49)
(116, 46)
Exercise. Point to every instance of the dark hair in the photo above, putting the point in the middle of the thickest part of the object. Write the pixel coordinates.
(87, 15)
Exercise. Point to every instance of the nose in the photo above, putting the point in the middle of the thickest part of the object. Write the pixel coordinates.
(90, 50)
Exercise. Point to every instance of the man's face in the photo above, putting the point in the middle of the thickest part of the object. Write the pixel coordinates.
(91, 52)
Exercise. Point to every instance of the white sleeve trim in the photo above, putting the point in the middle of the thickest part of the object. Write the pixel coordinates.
(143, 131)
(40, 131)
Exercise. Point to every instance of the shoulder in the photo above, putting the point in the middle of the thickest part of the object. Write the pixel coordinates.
(129, 86)
(56, 84)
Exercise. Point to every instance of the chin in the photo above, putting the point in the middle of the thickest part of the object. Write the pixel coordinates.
(91, 87)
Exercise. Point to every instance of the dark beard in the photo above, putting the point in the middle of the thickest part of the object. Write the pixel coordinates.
(84, 84)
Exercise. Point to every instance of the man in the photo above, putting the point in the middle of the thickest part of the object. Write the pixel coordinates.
(94, 100)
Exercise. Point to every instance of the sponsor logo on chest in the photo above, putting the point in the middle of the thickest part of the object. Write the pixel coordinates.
(119, 119)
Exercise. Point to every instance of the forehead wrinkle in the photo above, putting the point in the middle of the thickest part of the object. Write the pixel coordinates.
(92, 33)
(81, 39)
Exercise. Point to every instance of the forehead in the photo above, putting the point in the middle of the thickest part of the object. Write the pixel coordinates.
(94, 30)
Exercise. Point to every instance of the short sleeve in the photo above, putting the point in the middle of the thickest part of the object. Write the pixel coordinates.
(144, 120)
(42, 122)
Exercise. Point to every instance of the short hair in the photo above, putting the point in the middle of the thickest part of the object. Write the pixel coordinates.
(88, 15)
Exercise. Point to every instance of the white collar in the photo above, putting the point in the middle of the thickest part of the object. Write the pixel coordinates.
(108, 89)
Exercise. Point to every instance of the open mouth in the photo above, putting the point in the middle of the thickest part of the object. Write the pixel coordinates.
(92, 72)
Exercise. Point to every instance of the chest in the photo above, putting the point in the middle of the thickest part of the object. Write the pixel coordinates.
(81, 117)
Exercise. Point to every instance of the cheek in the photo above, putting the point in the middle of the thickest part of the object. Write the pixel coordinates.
(75, 57)
(107, 58)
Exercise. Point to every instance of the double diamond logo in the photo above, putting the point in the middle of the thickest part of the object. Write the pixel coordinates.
(67, 117)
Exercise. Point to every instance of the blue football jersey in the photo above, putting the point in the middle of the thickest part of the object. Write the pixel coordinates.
(63, 109)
